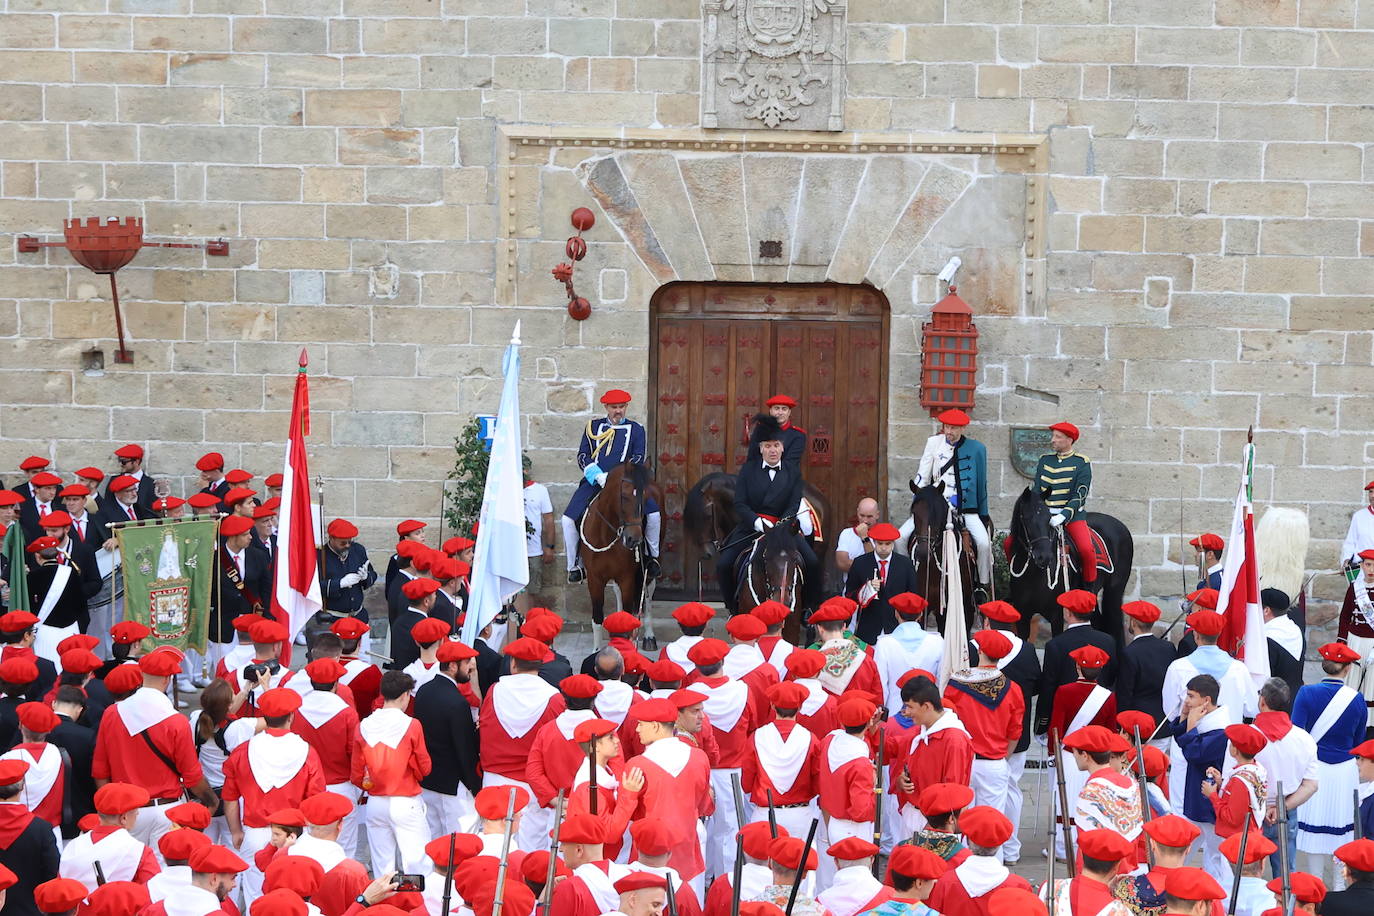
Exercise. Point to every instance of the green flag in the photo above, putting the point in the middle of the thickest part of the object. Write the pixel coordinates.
(168, 570)
(13, 548)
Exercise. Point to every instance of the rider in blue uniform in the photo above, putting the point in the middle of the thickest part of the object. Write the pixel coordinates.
(607, 443)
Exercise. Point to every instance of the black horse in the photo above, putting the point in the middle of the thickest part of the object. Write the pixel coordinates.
(1038, 575)
(925, 545)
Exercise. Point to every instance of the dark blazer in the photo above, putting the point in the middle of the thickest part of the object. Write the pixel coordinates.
(79, 743)
(756, 494)
(28, 516)
(553, 670)
(146, 496)
(1356, 900)
(450, 737)
(71, 607)
(1058, 669)
(1140, 679)
(96, 534)
(98, 699)
(255, 579)
(347, 600)
(488, 665)
(33, 858)
(444, 609)
(9, 721)
(403, 647)
(1023, 671)
(112, 511)
(84, 559)
(879, 618)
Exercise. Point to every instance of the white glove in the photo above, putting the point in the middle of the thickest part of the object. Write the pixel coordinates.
(600, 479)
(759, 524)
(1057, 519)
(350, 580)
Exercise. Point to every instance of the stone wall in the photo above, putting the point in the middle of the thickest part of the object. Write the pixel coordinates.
(1197, 263)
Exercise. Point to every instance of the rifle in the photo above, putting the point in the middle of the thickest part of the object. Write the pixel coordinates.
(99, 874)
(772, 817)
(1063, 792)
(1359, 828)
(878, 808)
(1240, 866)
(737, 890)
(500, 901)
(1286, 901)
(739, 800)
(1144, 793)
(672, 901)
(448, 875)
(801, 867)
(546, 896)
(591, 767)
(1051, 859)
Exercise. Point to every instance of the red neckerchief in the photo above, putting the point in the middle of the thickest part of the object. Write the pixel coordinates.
(14, 819)
(1273, 725)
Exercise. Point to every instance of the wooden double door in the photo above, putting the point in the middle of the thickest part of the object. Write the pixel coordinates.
(719, 351)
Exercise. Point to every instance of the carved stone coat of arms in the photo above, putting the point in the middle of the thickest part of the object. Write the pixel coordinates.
(773, 64)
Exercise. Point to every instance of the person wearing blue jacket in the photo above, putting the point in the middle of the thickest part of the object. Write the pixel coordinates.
(1201, 735)
(959, 465)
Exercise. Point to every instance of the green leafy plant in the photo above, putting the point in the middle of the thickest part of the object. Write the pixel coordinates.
(467, 480)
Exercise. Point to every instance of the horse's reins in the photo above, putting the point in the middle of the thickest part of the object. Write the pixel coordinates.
(619, 531)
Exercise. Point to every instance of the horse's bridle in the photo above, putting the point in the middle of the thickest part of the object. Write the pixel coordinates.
(620, 530)
(1032, 541)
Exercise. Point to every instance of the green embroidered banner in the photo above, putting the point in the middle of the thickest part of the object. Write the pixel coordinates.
(169, 570)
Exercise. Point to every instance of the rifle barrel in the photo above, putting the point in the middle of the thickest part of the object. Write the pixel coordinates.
(1359, 828)
(801, 871)
(1240, 865)
(739, 800)
(1144, 793)
(448, 876)
(1063, 792)
(500, 896)
(737, 889)
(672, 896)
(546, 896)
(1286, 901)
(772, 817)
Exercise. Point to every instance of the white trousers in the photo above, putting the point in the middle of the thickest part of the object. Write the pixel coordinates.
(450, 813)
(1213, 862)
(535, 823)
(1361, 677)
(397, 822)
(1016, 768)
(796, 821)
(837, 829)
(46, 638)
(152, 823)
(250, 882)
(1074, 780)
(570, 541)
(988, 780)
(722, 826)
(982, 543)
(348, 829)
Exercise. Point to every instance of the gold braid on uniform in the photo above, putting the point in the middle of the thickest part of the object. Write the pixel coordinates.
(601, 440)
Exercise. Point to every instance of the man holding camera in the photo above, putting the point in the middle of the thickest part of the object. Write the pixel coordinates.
(265, 671)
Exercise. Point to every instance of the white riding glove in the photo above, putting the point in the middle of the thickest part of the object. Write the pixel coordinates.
(600, 479)
(1057, 519)
(761, 524)
(350, 580)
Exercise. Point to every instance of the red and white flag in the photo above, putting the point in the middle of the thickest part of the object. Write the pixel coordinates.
(296, 589)
(1238, 600)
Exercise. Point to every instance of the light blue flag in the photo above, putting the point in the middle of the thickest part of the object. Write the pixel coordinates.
(499, 565)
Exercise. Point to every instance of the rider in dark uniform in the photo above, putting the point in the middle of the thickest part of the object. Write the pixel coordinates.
(607, 443)
(768, 489)
(793, 437)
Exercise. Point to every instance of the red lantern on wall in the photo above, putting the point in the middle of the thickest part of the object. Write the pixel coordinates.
(949, 355)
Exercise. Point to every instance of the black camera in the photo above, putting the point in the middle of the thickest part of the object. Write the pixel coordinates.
(408, 884)
(256, 673)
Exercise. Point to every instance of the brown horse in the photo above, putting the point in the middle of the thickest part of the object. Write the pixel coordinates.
(612, 535)
(925, 546)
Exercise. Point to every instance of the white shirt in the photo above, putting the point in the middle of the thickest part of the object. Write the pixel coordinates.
(1289, 761)
(537, 502)
(1237, 691)
(850, 543)
(1361, 533)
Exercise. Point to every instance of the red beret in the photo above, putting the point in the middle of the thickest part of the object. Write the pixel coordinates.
(616, 396)
(33, 463)
(417, 589)
(444, 567)
(349, 628)
(1208, 542)
(544, 628)
(37, 717)
(708, 652)
(1246, 738)
(8, 878)
(535, 868)
(1066, 428)
(58, 519)
(42, 543)
(1366, 554)
(19, 669)
(163, 661)
(639, 881)
(1256, 848)
(79, 661)
(46, 479)
(457, 545)
(953, 417)
(274, 480)
(325, 808)
(279, 701)
(834, 610)
(192, 815)
(1172, 830)
(216, 860)
(1001, 611)
(10, 498)
(781, 400)
(325, 671)
(686, 697)
(855, 711)
(342, 528)
(582, 828)
(407, 526)
(852, 849)
(465, 846)
(237, 476)
(128, 632)
(621, 623)
(237, 495)
(804, 663)
(1090, 657)
(234, 525)
(90, 474)
(262, 512)
(1143, 611)
(581, 686)
(1013, 901)
(1364, 749)
(453, 650)
(265, 631)
(1077, 601)
(129, 451)
(992, 643)
(985, 826)
(1358, 854)
(1128, 720)
(299, 875)
(666, 671)
(771, 613)
(59, 895)
(117, 898)
(124, 678)
(410, 549)
(908, 604)
(757, 837)
(883, 531)
(1306, 888)
(693, 614)
(652, 837)
(788, 695)
(12, 771)
(491, 803)
(1192, 884)
(77, 641)
(168, 502)
(179, 844)
(944, 797)
(202, 500)
(1104, 845)
(917, 863)
(422, 558)
(1156, 762)
(1205, 598)
(73, 490)
(210, 461)
(516, 900)
(1338, 652)
(1094, 739)
(787, 852)
(88, 822)
(745, 627)
(655, 710)
(529, 650)
(119, 798)
(280, 901)
(431, 629)
(592, 729)
(1207, 623)
(17, 621)
(123, 482)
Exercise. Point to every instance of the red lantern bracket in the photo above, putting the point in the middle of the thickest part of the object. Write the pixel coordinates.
(104, 246)
(582, 220)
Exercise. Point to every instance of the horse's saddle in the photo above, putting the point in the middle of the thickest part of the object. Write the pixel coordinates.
(1104, 556)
